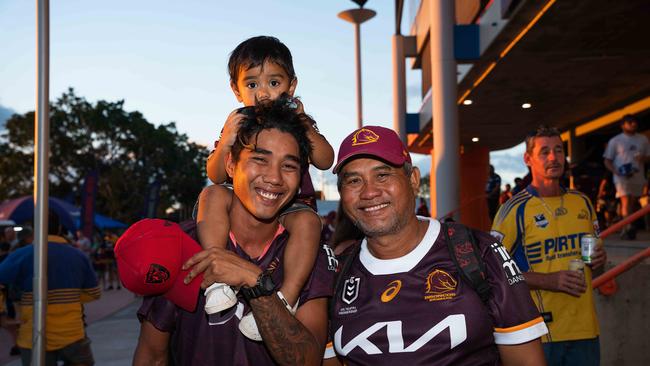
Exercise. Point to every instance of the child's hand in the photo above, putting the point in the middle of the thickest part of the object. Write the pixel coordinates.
(299, 108)
(231, 127)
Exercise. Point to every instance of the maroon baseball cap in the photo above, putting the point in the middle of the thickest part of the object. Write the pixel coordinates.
(150, 255)
(376, 141)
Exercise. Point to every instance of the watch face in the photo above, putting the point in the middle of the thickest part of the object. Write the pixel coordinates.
(267, 284)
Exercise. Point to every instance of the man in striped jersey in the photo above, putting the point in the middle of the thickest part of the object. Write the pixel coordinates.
(541, 227)
(71, 282)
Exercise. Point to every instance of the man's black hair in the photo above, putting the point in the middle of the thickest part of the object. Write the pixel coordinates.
(255, 51)
(629, 118)
(279, 115)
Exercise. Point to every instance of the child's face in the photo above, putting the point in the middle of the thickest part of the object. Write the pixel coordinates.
(265, 82)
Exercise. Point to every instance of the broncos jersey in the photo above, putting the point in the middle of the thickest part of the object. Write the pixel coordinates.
(543, 235)
(416, 310)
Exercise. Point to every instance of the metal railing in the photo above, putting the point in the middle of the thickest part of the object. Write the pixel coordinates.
(606, 281)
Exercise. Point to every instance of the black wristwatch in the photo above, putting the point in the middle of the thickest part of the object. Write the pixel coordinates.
(264, 287)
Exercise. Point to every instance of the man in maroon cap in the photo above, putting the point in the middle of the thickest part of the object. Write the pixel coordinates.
(265, 163)
(400, 298)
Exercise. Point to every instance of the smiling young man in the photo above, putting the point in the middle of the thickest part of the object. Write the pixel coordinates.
(541, 227)
(402, 299)
(265, 164)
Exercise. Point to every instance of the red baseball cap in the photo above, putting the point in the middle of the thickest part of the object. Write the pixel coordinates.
(375, 141)
(150, 255)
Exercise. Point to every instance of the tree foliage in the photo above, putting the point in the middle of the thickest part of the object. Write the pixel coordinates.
(125, 149)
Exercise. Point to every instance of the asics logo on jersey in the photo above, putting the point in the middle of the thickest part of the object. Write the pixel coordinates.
(455, 323)
(513, 274)
(350, 290)
(391, 291)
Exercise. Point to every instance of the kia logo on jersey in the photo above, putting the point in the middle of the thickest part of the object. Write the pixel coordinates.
(350, 290)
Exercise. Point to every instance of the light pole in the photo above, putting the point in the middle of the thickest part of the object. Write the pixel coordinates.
(356, 17)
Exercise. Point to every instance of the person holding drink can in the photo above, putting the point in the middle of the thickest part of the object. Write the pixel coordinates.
(545, 227)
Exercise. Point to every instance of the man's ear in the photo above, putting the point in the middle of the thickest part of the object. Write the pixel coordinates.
(527, 159)
(235, 90)
(292, 86)
(230, 165)
(415, 180)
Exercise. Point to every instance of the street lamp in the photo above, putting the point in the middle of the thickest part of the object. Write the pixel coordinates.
(356, 17)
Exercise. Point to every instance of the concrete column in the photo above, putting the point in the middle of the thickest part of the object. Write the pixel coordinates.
(572, 154)
(474, 162)
(399, 87)
(445, 154)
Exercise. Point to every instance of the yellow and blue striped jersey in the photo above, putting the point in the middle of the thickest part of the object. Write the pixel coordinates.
(542, 235)
(71, 282)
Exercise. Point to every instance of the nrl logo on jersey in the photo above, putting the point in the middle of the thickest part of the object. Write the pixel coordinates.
(540, 221)
(350, 290)
(440, 286)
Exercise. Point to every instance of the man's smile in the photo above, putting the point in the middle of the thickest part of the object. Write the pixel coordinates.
(267, 195)
(375, 207)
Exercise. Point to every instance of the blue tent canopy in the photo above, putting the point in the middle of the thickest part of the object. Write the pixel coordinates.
(21, 210)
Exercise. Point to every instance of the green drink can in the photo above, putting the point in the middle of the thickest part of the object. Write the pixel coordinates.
(587, 247)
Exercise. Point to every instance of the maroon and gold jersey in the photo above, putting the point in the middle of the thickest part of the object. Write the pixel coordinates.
(201, 339)
(416, 310)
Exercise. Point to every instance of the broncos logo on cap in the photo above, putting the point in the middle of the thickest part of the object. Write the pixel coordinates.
(364, 136)
(156, 274)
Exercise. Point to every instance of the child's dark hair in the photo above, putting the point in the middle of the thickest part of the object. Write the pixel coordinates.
(279, 115)
(254, 51)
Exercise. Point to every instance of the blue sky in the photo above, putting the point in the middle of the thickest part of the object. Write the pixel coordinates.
(167, 59)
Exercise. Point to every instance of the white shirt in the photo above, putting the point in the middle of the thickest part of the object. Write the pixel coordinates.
(622, 149)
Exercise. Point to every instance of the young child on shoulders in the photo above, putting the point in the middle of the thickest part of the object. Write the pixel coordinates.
(261, 71)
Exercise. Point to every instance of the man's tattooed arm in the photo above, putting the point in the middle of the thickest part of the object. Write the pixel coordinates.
(289, 341)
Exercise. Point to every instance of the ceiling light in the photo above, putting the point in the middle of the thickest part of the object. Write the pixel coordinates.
(526, 105)
(474, 139)
(467, 102)
(18, 228)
